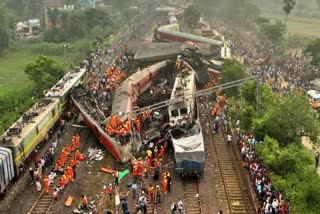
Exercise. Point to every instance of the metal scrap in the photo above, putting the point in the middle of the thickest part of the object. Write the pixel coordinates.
(95, 154)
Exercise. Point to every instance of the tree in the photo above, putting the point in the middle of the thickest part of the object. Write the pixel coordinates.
(4, 39)
(232, 71)
(248, 91)
(313, 49)
(53, 16)
(290, 119)
(273, 32)
(287, 7)
(191, 16)
(44, 71)
(246, 117)
(7, 21)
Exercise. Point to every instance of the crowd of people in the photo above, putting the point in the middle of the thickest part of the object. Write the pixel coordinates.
(267, 59)
(64, 166)
(283, 72)
(146, 196)
(270, 202)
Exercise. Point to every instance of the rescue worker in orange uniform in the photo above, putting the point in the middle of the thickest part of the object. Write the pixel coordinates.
(138, 125)
(70, 173)
(74, 162)
(109, 191)
(78, 154)
(164, 184)
(110, 130)
(73, 143)
(127, 126)
(155, 152)
(58, 165)
(214, 111)
(148, 163)
(162, 152)
(46, 184)
(140, 168)
(157, 163)
(63, 182)
(77, 141)
(151, 193)
(67, 150)
(114, 121)
(135, 173)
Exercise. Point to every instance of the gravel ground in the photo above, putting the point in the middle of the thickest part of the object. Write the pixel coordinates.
(90, 180)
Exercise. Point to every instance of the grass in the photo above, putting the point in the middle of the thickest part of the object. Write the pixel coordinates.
(300, 26)
(13, 62)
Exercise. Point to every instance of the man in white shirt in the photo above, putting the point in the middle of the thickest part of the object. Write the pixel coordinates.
(180, 206)
(229, 139)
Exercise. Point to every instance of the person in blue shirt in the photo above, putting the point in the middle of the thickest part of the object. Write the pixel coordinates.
(134, 190)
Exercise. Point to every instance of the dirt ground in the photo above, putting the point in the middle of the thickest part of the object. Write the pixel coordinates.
(90, 181)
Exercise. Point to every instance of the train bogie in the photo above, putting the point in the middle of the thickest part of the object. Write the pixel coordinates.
(6, 168)
(189, 168)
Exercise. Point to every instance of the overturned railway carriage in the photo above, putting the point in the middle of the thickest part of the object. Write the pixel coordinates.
(170, 33)
(129, 91)
(6, 168)
(182, 108)
(123, 102)
(31, 129)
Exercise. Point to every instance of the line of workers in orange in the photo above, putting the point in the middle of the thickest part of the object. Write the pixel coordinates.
(68, 172)
(153, 158)
(118, 128)
(113, 75)
(221, 102)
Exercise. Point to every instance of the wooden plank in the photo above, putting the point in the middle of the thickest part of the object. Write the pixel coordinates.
(106, 170)
(69, 201)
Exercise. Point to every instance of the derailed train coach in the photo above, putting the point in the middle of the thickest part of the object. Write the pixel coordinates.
(189, 150)
(6, 168)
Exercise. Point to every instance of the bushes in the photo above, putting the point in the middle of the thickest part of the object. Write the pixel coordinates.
(49, 49)
(13, 103)
(283, 121)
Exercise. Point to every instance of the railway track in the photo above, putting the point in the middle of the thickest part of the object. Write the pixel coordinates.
(233, 190)
(45, 201)
(192, 198)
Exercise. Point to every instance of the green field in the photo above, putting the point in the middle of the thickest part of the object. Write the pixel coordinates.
(300, 26)
(12, 66)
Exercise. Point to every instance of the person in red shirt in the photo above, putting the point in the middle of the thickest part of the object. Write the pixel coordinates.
(109, 191)
(84, 203)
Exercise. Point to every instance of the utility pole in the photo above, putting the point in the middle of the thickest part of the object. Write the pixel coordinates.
(65, 46)
(258, 96)
(102, 22)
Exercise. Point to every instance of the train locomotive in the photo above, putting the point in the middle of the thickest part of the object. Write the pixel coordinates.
(21, 139)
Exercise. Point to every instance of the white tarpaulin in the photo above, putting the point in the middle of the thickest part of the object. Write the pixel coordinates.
(190, 146)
